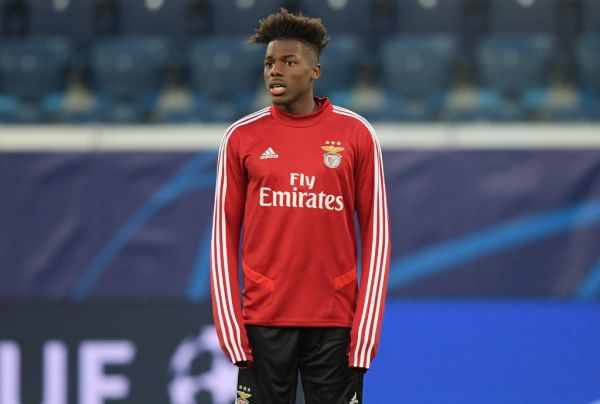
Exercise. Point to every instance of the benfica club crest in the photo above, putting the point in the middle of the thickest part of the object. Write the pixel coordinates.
(332, 159)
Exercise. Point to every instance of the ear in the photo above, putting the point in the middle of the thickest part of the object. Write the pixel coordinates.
(316, 72)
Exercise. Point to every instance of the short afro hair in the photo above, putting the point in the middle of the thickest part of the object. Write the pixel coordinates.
(285, 25)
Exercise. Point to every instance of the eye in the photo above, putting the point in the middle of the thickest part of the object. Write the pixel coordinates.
(289, 63)
(268, 65)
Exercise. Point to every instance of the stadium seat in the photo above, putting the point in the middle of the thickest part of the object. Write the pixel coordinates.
(532, 16)
(199, 19)
(513, 71)
(511, 63)
(13, 18)
(154, 17)
(587, 56)
(225, 73)
(70, 18)
(106, 21)
(588, 61)
(576, 114)
(416, 73)
(241, 16)
(590, 15)
(127, 77)
(340, 64)
(340, 16)
(33, 76)
(165, 18)
(435, 16)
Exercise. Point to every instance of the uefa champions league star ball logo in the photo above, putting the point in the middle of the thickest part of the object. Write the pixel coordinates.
(218, 381)
(332, 159)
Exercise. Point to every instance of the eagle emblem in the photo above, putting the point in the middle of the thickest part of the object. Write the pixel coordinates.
(243, 398)
(243, 395)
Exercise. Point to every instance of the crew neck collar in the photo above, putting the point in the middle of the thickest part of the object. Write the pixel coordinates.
(302, 121)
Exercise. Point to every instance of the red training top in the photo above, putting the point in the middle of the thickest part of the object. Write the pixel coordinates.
(292, 184)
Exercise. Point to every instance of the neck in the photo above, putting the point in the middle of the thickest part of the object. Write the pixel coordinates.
(301, 107)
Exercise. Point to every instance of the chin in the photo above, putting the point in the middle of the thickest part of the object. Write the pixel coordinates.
(280, 101)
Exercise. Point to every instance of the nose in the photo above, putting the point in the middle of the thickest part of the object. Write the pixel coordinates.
(276, 69)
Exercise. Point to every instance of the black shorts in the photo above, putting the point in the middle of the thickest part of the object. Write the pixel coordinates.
(320, 354)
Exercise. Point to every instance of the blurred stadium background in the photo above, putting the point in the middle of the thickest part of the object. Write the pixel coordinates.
(488, 113)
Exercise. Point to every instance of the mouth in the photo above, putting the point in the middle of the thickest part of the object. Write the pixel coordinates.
(277, 88)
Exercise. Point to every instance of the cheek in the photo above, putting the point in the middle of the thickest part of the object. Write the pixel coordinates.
(303, 78)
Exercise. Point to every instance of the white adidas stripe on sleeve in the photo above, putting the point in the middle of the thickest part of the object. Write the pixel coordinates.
(370, 314)
(227, 322)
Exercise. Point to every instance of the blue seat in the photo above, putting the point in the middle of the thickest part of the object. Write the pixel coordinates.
(587, 56)
(33, 78)
(416, 74)
(13, 18)
(241, 16)
(153, 17)
(588, 61)
(435, 16)
(70, 18)
(165, 18)
(340, 65)
(225, 73)
(532, 16)
(199, 19)
(511, 64)
(513, 71)
(128, 74)
(340, 16)
(575, 114)
(590, 15)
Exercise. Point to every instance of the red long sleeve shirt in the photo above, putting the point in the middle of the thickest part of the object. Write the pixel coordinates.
(288, 188)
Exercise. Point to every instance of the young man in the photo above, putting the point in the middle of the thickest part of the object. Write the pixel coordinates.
(290, 178)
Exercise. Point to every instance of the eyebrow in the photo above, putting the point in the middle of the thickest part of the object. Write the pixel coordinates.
(282, 56)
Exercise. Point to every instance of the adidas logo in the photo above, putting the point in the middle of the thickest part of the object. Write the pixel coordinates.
(269, 154)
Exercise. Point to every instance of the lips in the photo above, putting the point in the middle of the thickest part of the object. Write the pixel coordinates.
(277, 87)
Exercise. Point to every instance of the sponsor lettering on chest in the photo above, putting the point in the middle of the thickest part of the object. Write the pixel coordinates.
(303, 193)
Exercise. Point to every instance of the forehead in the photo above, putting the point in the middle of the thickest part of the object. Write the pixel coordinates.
(286, 47)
